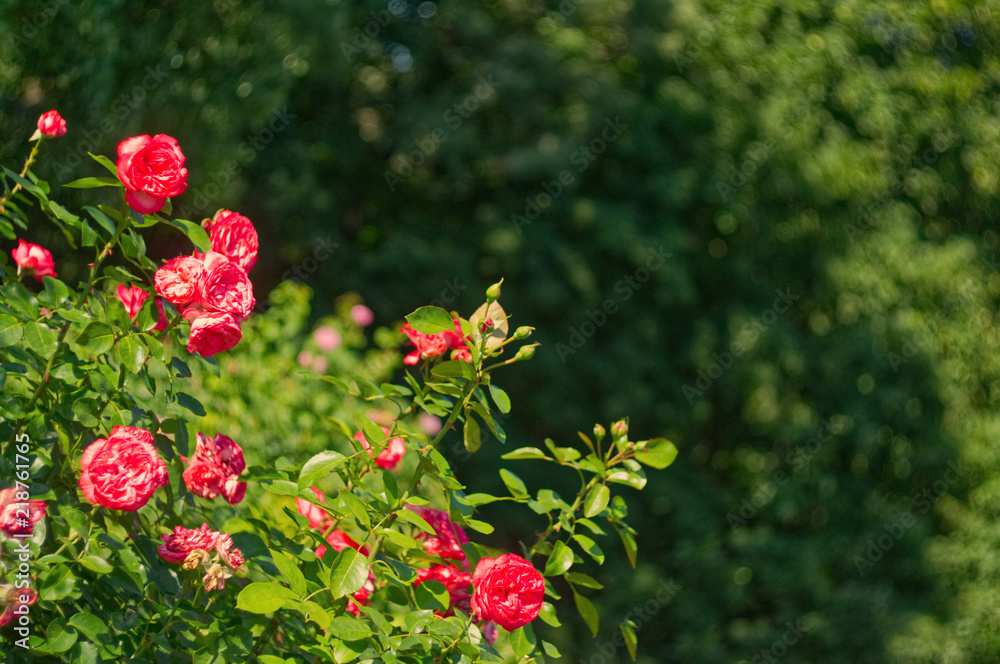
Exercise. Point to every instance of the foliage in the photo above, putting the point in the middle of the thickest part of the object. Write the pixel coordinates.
(88, 579)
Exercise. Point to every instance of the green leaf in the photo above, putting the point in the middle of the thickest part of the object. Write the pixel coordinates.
(348, 572)
(471, 434)
(475, 499)
(630, 641)
(514, 484)
(454, 369)
(96, 564)
(368, 390)
(105, 162)
(194, 232)
(548, 615)
(349, 628)
(103, 220)
(187, 401)
(415, 519)
(11, 330)
(398, 538)
(57, 583)
(580, 579)
(58, 638)
(87, 234)
(317, 614)
(587, 611)
(319, 466)
(432, 595)
(560, 560)
(90, 625)
(264, 597)
(90, 183)
(628, 540)
(526, 453)
(479, 526)
(431, 320)
(132, 352)
(590, 547)
(282, 488)
(357, 508)
(97, 338)
(596, 500)
(522, 641)
(551, 650)
(500, 398)
(289, 569)
(659, 454)
(57, 290)
(40, 338)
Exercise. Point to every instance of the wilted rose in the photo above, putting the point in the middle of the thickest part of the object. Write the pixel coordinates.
(177, 546)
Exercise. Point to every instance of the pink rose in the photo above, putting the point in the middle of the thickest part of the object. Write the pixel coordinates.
(362, 315)
(213, 333)
(179, 280)
(508, 591)
(122, 471)
(450, 536)
(326, 338)
(18, 517)
(388, 458)
(51, 124)
(183, 541)
(152, 170)
(226, 287)
(34, 257)
(215, 468)
(234, 236)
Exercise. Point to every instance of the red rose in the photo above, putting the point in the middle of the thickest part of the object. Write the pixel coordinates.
(215, 467)
(318, 519)
(455, 581)
(123, 471)
(51, 124)
(13, 513)
(508, 591)
(152, 170)
(435, 345)
(388, 458)
(450, 536)
(179, 280)
(234, 236)
(183, 541)
(338, 541)
(226, 287)
(213, 333)
(34, 257)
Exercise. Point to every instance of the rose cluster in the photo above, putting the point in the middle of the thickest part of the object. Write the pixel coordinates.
(213, 290)
(429, 346)
(203, 547)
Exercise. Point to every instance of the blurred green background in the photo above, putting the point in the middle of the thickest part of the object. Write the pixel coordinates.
(764, 229)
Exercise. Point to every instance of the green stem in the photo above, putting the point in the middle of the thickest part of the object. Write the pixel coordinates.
(24, 171)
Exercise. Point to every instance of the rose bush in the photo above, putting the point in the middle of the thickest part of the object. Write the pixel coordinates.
(139, 537)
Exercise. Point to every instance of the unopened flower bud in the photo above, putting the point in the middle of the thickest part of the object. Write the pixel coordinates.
(525, 352)
(486, 326)
(493, 292)
(619, 429)
(599, 432)
(522, 332)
